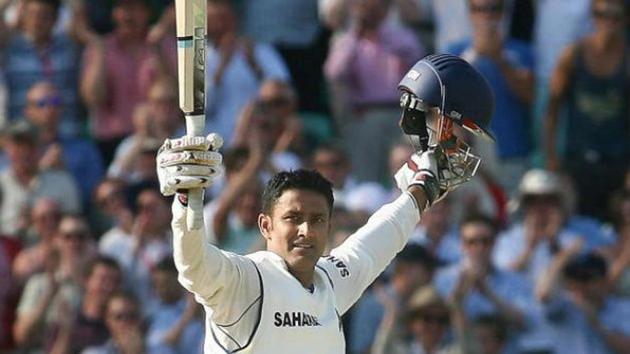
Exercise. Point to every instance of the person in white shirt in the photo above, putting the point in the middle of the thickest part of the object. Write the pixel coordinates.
(290, 298)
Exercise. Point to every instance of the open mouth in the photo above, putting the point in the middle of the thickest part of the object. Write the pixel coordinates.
(300, 245)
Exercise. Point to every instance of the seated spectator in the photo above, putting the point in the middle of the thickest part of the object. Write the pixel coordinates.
(368, 60)
(507, 64)
(583, 316)
(49, 295)
(123, 317)
(32, 52)
(78, 156)
(546, 226)
(23, 182)
(413, 268)
(174, 325)
(84, 326)
(232, 216)
(427, 321)
(273, 116)
(477, 285)
(591, 83)
(113, 214)
(45, 217)
(235, 68)
(157, 119)
(149, 241)
(119, 70)
(437, 233)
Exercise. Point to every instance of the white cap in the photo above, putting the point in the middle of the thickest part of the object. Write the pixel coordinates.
(538, 181)
(367, 197)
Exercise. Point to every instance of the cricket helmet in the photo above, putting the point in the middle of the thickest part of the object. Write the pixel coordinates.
(455, 87)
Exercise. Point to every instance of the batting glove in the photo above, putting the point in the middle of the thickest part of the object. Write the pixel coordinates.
(421, 170)
(189, 162)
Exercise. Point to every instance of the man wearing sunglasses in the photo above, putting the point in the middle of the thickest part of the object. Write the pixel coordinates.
(477, 285)
(592, 83)
(507, 64)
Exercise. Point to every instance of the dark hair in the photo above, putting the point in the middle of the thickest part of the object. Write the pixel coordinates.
(474, 218)
(496, 323)
(585, 267)
(416, 254)
(166, 264)
(56, 4)
(103, 260)
(299, 179)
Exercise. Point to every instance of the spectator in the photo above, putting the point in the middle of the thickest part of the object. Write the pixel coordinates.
(113, 213)
(45, 217)
(507, 64)
(145, 246)
(279, 128)
(78, 156)
(235, 68)
(49, 295)
(413, 268)
(428, 322)
(331, 160)
(591, 80)
(32, 52)
(334, 13)
(478, 285)
(546, 226)
(84, 327)
(584, 318)
(368, 61)
(619, 274)
(157, 119)
(436, 233)
(293, 29)
(123, 317)
(233, 215)
(175, 324)
(119, 69)
(23, 182)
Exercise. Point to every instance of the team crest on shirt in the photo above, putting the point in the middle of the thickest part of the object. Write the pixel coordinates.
(295, 319)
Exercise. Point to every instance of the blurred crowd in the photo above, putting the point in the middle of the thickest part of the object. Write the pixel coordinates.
(532, 256)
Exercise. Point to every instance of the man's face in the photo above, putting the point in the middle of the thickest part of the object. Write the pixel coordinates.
(477, 242)
(370, 13)
(43, 106)
(297, 229)
(71, 237)
(163, 106)
(165, 286)
(131, 18)
(486, 15)
(609, 15)
(332, 165)
(152, 213)
(45, 217)
(103, 281)
(430, 325)
(39, 20)
(21, 154)
(122, 316)
(220, 19)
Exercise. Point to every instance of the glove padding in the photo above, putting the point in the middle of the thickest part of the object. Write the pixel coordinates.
(189, 162)
(421, 170)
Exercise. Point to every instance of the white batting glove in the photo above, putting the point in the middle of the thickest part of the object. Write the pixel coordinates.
(421, 170)
(189, 162)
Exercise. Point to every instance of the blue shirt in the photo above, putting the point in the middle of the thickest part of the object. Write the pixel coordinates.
(83, 161)
(24, 65)
(572, 332)
(510, 122)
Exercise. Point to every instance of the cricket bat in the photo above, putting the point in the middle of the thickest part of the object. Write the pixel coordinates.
(191, 63)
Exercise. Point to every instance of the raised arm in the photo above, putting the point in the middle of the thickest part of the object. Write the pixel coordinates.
(559, 86)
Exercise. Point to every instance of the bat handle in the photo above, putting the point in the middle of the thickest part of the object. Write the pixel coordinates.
(194, 217)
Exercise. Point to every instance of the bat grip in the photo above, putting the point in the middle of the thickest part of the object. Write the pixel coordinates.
(194, 215)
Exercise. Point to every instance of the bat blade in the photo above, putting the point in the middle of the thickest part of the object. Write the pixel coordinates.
(191, 61)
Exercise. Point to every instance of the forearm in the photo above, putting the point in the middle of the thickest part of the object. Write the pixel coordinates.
(93, 85)
(512, 314)
(520, 81)
(27, 324)
(617, 342)
(522, 261)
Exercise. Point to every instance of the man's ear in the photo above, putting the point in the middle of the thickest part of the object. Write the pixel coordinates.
(265, 225)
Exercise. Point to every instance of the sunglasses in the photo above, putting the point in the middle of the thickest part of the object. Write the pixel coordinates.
(612, 14)
(73, 235)
(48, 101)
(484, 241)
(495, 8)
(124, 316)
(435, 319)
